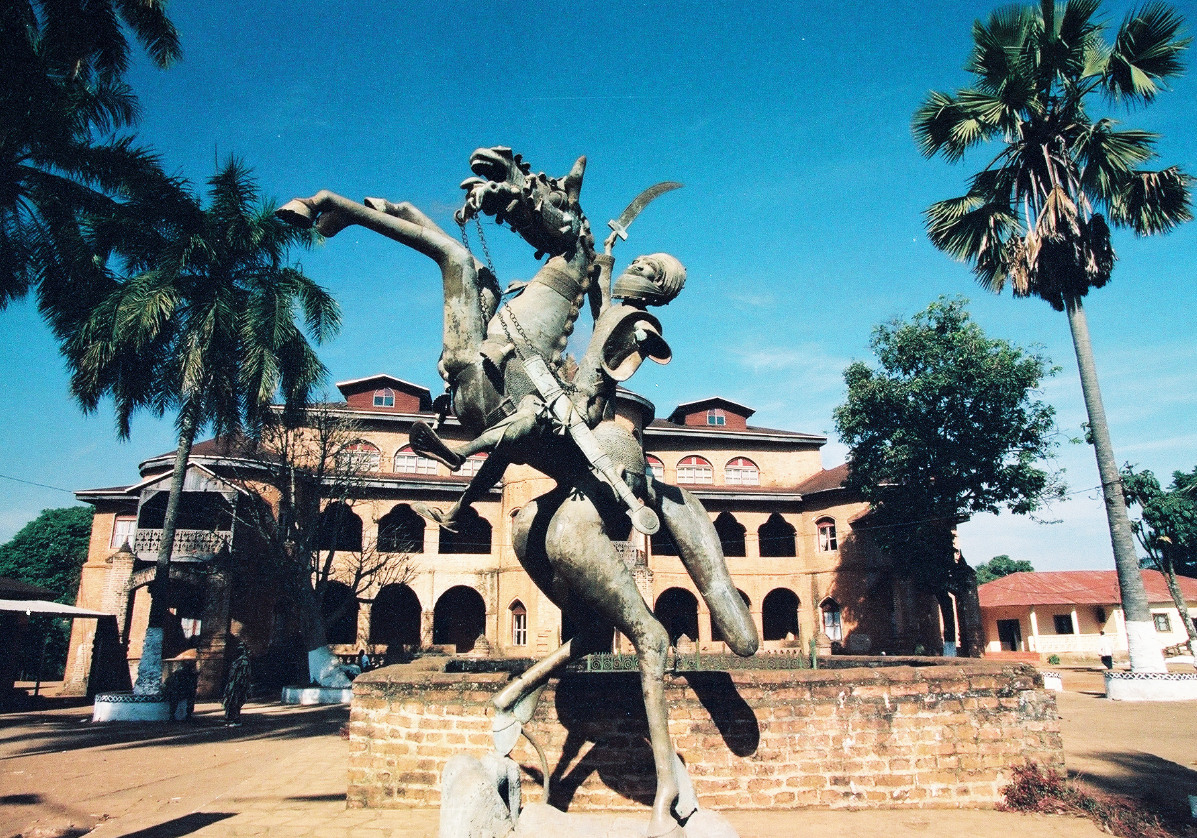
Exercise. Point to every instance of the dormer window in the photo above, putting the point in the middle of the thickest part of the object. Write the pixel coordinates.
(384, 397)
(716, 417)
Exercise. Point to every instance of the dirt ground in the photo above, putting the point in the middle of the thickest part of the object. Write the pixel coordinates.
(282, 773)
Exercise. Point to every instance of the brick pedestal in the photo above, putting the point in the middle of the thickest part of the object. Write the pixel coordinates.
(902, 736)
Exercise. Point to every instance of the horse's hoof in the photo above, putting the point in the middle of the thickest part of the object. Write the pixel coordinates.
(505, 731)
(436, 516)
(296, 213)
(668, 830)
(425, 442)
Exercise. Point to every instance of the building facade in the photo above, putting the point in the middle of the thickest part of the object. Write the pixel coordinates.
(1066, 612)
(785, 522)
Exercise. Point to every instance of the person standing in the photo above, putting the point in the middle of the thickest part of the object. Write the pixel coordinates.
(1106, 649)
(236, 689)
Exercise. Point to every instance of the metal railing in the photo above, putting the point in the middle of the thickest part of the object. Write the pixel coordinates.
(187, 542)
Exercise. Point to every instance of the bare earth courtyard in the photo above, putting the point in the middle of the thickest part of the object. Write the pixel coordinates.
(283, 773)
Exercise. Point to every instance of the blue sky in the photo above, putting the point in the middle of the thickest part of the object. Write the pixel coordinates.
(800, 222)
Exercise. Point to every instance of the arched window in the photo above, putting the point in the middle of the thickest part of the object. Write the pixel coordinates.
(472, 536)
(716, 634)
(384, 397)
(741, 471)
(677, 611)
(472, 464)
(401, 531)
(776, 538)
(828, 543)
(731, 534)
(654, 466)
(395, 618)
(779, 614)
(519, 624)
(833, 627)
(339, 528)
(458, 618)
(409, 462)
(359, 456)
(695, 470)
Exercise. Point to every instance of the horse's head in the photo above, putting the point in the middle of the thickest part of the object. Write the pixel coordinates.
(543, 210)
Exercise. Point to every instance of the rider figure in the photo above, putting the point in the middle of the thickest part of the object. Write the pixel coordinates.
(624, 334)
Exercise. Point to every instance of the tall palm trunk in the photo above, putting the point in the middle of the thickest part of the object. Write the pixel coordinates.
(1144, 649)
(149, 667)
(1178, 599)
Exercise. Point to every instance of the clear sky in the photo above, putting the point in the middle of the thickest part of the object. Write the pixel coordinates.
(800, 222)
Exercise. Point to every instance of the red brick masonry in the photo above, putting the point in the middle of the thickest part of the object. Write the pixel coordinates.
(900, 736)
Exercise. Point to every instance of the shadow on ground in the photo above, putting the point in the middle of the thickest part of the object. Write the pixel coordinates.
(30, 734)
(1162, 786)
(178, 827)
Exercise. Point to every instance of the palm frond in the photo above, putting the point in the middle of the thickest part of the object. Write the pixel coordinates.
(1147, 52)
(1153, 202)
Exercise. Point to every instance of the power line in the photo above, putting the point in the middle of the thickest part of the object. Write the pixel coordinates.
(31, 483)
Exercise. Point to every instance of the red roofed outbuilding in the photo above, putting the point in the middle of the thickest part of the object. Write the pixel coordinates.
(1064, 612)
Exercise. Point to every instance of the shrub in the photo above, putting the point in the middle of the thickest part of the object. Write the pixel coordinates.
(1053, 660)
(1034, 789)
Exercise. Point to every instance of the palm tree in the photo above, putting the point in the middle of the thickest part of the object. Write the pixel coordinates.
(61, 104)
(205, 325)
(1039, 214)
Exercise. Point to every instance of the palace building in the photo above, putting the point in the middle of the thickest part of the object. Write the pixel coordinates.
(785, 522)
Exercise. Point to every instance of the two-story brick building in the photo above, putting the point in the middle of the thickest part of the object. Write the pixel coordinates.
(786, 524)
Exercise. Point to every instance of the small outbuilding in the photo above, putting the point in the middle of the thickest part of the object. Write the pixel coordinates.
(1065, 612)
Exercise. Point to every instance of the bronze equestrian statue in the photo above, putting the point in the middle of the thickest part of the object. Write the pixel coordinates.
(514, 390)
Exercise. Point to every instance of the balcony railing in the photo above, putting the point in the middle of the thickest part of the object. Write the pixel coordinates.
(192, 544)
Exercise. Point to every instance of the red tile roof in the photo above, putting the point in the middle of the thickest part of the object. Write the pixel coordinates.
(1074, 587)
(825, 481)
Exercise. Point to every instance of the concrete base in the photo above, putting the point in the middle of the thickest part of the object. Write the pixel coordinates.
(1052, 681)
(1151, 686)
(317, 695)
(128, 707)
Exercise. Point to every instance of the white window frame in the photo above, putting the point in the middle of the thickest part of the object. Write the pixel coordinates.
(828, 536)
(1162, 617)
(716, 418)
(360, 455)
(654, 466)
(472, 465)
(409, 462)
(384, 397)
(833, 622)
(519, 625)
(700, 473)
(125, 533)
(741, 471)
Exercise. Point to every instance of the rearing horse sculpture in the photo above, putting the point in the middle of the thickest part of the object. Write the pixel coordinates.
(491, 354)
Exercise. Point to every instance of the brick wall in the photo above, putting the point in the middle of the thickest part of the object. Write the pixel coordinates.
(902, 736)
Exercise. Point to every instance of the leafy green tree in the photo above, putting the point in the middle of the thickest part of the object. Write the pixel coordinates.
(62, 158)
(1000, 566)
(1039, 214)
(946, 427)
(48, 551)
(1167, 530)
(205, 326)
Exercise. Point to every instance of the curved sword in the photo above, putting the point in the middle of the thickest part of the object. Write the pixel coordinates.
(620, 225)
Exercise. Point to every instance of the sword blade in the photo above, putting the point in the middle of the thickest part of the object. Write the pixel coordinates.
(642, 200)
